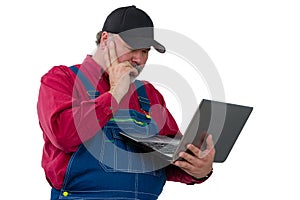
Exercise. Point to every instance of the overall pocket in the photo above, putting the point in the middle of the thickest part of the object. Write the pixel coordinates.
(116, 155)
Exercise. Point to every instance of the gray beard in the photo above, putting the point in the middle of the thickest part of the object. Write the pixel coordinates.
(139, 68)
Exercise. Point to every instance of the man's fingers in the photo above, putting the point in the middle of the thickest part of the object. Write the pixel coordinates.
(112, 53)
(209, 142)
(188, 157)
(209, 147)
(106, 57)
(183, 165)
(195, 150)
(133, 72)
(201, 154)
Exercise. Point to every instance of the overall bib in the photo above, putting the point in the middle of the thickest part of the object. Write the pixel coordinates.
(107, 167)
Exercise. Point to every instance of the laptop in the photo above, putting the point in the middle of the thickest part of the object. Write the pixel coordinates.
(224, 121)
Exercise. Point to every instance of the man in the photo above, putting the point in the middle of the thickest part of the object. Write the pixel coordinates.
(82, 109)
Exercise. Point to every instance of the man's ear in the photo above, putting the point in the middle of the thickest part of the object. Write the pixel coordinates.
(104, 38)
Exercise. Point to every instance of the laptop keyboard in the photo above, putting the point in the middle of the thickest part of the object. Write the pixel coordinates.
(163, 147)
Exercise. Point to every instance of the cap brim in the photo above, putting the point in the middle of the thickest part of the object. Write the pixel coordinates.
(143, 42)
(159, 47)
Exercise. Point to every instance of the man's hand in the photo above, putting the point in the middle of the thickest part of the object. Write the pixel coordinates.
(119, 73)
(200, 163)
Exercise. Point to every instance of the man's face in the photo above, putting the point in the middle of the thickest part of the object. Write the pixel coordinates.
(137, 58)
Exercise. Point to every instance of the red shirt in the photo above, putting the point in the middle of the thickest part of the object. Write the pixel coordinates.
(68, 117)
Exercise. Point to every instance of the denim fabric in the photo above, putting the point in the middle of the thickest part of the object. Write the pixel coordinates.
(107, 167)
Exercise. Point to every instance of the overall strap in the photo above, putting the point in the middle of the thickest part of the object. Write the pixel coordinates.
(142, 95)
(90, 89)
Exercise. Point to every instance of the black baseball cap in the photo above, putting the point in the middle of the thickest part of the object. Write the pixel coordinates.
(134, 26)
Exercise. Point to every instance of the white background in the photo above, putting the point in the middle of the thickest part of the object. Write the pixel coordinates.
(255, 46)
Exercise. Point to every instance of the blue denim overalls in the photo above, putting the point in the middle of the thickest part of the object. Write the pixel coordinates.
(107, 167)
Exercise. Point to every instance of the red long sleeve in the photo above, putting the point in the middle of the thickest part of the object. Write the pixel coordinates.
(68, 117)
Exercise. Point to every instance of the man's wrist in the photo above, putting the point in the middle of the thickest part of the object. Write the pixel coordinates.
(116, 96)
(205, 177)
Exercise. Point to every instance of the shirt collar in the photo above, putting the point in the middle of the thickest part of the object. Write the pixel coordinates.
(93, 69)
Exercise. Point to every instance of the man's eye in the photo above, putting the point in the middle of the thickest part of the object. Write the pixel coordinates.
(145, 51)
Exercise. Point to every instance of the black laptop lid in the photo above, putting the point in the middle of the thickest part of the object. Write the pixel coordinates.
(223, 121)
